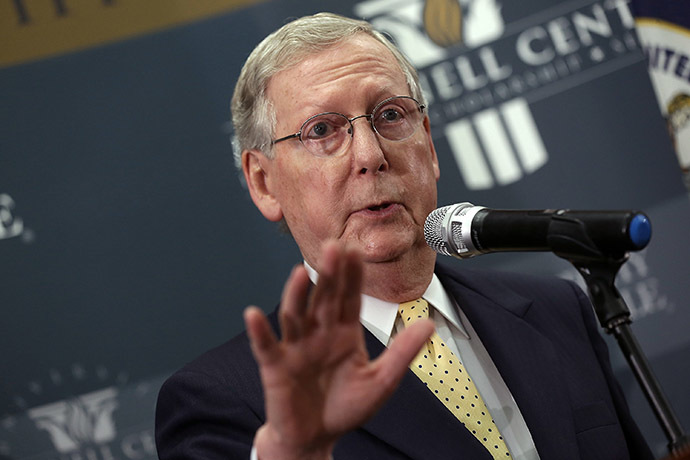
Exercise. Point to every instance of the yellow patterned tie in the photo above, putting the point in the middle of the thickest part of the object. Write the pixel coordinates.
(447, 378)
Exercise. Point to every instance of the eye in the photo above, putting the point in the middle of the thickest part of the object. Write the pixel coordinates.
(397, 118)
(390, 114)
(320, 129)
(323, 126)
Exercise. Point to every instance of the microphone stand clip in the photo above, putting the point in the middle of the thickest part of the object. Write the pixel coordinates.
(568, 239)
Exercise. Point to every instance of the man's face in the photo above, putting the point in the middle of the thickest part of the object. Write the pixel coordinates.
(378, 193)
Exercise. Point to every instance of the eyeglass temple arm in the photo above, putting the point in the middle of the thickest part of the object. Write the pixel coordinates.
(291, 136)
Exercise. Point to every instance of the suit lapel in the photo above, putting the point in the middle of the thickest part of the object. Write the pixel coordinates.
(525, 358)
(415, 422)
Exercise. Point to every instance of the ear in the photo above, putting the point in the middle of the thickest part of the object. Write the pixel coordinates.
(256, 168)
(432, 149)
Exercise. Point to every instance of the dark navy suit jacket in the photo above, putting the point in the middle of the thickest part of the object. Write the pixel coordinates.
(540, 333)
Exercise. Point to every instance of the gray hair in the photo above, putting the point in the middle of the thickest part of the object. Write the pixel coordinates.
(253, 116)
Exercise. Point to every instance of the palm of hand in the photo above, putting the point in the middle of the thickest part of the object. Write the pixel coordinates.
(318, 380)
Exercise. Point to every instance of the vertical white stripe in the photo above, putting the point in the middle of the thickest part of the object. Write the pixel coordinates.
(468, 155)
(525, 134)
(498, 149)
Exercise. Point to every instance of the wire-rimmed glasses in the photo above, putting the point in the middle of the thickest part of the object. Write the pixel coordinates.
(330, 133)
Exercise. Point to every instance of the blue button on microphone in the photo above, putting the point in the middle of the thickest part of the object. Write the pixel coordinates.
(640, 230)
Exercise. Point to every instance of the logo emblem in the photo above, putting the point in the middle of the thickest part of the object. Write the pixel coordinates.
(492, 147)
(81, 421)
(10, 225)
(103, 424)
(481, 73)
(678, 109)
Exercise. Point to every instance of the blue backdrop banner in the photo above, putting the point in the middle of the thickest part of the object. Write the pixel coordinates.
(130, 246)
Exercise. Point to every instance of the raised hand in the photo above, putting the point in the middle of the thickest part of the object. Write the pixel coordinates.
(318, 380)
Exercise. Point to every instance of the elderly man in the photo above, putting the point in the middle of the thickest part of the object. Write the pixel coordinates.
(335, 142)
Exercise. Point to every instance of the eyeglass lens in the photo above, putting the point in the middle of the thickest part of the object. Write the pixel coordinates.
(394, 119)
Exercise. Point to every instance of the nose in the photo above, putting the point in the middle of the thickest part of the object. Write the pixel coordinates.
(368, 155)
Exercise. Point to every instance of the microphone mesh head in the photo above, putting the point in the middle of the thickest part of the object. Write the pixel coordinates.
(432, 230)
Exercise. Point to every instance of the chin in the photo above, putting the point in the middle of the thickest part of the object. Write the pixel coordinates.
(387, 249)
(387, 242)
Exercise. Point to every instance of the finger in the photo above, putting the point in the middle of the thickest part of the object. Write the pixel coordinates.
(338, 295)
(262, 340)
(327, 293)
(394, 362)
(291, 314)
(352, 297)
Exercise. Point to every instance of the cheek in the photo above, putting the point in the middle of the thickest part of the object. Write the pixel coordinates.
(316, 192)
(422, 172)
(420, 161)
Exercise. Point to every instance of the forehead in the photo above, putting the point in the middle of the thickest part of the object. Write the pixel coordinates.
(359, 70)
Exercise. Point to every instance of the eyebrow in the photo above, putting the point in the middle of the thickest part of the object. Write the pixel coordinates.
(380, 95)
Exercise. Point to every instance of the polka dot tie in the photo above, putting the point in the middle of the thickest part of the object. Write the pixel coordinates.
(446, 377)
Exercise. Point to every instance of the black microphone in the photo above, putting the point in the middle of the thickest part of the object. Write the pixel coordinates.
(463, 230)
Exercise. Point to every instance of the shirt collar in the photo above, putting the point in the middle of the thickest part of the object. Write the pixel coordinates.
(378, 316)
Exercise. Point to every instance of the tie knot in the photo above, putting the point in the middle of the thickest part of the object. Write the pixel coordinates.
(413, 310)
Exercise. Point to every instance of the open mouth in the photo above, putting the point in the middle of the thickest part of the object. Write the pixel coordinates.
(379, 207)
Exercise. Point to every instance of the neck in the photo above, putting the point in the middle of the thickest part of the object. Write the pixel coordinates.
(401, 279)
